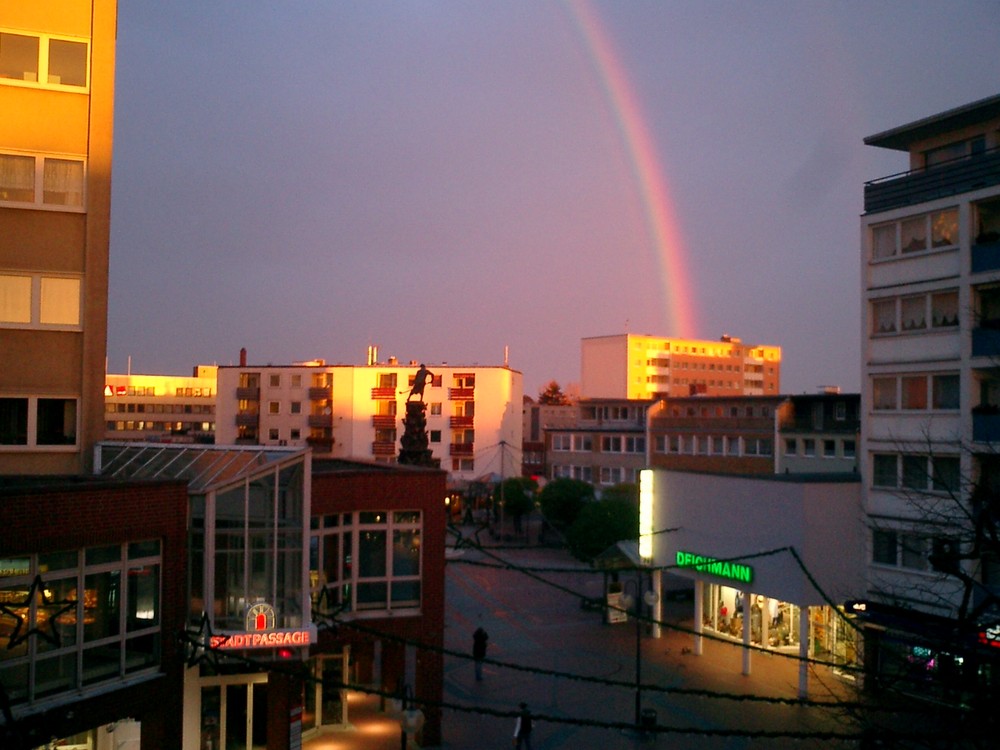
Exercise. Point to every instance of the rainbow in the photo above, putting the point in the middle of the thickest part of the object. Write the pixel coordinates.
(657, 205)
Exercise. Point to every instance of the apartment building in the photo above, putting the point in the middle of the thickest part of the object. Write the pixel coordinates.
(650, 367)
(930, 260)
(604, 443)
(57, 63)
(161, 408)
(353, 411)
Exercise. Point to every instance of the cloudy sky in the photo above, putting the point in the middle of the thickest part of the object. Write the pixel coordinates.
(447, 179)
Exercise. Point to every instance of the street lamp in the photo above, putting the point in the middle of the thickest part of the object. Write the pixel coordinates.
(411, 718)
(650, 598)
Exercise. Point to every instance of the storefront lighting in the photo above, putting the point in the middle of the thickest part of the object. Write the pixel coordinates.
(646, 514)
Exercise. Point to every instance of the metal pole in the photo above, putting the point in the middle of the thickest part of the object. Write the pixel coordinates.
(638, 650)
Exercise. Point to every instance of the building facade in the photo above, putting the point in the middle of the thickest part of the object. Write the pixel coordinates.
(92, 599)
(650, 367)
(930, 259)
(161, 408)
(346, 411)
(57, 63)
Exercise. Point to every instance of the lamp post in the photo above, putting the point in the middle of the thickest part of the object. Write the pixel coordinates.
(649, 598)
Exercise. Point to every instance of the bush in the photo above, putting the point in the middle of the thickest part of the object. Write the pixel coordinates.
(563, 499)
(600, 525)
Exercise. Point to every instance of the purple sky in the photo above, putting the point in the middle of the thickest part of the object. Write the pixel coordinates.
(444, 179)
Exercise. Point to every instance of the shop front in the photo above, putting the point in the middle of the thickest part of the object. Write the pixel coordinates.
(769, 558)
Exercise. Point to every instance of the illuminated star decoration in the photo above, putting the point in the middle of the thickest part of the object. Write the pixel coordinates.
(326, 609)
(199, 644)
(54, 609)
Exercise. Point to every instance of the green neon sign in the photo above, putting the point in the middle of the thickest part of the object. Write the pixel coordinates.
(734, 571)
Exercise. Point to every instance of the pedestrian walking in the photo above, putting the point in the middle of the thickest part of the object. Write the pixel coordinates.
(479, 639)
(522, 730)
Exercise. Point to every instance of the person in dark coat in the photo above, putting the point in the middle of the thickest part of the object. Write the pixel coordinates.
(479, 639)
(522, 730)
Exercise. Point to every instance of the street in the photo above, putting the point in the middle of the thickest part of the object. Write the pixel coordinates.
(543, 628)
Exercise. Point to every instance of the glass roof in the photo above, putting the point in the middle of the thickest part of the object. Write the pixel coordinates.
(205, 467)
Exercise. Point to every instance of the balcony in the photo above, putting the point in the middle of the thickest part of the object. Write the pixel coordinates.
(460, 449)
(919, 186)
(247, 420)
(320, 420)
(986, 424)
(462, 394)
(986, 341)
(383, 449)
(986, 257)
(461, 422)
(383, 421)
(248, 393)
(319, 393)
(382, 393)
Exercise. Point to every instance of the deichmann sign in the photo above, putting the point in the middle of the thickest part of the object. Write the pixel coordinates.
(734, 571)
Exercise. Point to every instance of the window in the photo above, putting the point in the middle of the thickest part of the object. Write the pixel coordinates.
(561, 442)
(808, 447)
(39, 302)
(611, 475)
(914, 552)
(883, 241)
(387, 380)
(31, 181)
(611, 444)
(272, 433)
(913, 234)
(583, 442)
(944, 228)
(884, 316)
(883, 393)
(944, 310)
(913, 314)
(914, 391)
(35, 421)
(42, 60)
(370, 561)
(884, 547)
(436, 409)
(987, 222)
(295, 434)
(915, 472)
(275, 380)
(435, 436)
(945, 391)
(296, 407)
(105, 617)
(273, 407)
(947, 474)
(849, 449)
(829, 449)
(884, 470)
(296, 381)
(635, 444)
(791, 446)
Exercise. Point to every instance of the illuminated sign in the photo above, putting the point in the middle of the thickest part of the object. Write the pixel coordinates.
(260, 632)
(734, 571)
(990, 636)
(646, 514)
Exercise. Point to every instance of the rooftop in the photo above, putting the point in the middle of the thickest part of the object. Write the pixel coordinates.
(902, 137)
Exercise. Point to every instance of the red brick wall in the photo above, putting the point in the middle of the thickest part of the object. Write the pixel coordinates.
(68, 515)
(402, 489)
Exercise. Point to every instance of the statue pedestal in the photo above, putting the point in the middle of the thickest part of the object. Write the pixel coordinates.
(414, 445)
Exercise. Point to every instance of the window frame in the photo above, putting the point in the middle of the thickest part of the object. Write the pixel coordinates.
(37, 304)
(33, 442)
(44, 61)
(38, 202)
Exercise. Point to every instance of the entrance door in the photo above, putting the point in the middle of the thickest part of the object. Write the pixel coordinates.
(333, 698)
(234, 715)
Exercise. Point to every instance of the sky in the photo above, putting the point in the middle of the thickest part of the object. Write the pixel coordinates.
(450, 181)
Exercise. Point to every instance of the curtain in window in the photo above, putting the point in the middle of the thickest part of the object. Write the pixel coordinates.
(913, 313)
(884, 316)
(944, 309)
(63, 183)
(17, 178)
(15, 299)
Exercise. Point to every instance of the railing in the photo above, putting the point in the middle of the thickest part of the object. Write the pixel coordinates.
(461, 449)
(320, 420)
(986, 342)
(319, 393)
(383, 449)
(461, 422)
(921, 185)
(986, 257)
(986, 428)
(320, 443)
(384, 393)
(383, 421)
(248, 393)
(247, 420)
(462, 394)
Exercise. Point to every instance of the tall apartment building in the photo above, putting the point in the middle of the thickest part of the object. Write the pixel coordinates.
(161, 408)
(930, 246)
(650, 367)
(355, 411)
(57, 101)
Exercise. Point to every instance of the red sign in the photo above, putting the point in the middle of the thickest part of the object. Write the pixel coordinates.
(271, 639)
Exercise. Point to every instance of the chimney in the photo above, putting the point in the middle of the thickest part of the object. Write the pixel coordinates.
(243, 357)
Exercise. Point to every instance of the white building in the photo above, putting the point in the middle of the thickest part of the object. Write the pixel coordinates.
(474, 419)
(161, 408)
(930, 246)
